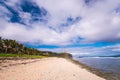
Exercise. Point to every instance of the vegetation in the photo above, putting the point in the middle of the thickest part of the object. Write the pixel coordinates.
(65, 55)
(10, 55)
(11, 48)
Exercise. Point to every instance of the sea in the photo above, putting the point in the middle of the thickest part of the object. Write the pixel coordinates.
(104, 64)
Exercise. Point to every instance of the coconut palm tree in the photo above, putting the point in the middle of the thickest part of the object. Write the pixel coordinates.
(6, 45)
(1, 45)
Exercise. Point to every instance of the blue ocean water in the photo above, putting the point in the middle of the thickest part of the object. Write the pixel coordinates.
(105, 64)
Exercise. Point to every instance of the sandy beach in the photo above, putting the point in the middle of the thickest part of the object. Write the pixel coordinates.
(44, 69)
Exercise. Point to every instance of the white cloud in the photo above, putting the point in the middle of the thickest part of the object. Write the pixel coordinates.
(61, 10)
(90, 51)
(99, 22)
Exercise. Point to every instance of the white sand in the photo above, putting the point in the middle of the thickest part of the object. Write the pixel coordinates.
(47, 69)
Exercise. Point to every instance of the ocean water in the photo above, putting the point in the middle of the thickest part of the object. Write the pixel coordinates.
(105, 64)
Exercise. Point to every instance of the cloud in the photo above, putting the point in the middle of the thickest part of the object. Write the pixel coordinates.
(88, 51)
(66, 22)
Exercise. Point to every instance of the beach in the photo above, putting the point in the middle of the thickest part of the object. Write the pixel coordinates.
(44, 69)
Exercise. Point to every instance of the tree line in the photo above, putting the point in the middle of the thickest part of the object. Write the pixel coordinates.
(14, 47)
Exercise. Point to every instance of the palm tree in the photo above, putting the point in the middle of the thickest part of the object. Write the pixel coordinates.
(13, 45)
(6, 45)
(26, 50)
(1, 44)
(20, 49)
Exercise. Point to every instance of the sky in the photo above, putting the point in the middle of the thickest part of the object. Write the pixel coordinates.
(75, 26)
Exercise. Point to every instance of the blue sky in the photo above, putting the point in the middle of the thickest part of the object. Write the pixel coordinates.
(76, 26)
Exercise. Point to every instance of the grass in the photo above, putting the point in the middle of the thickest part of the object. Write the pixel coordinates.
(10, 55)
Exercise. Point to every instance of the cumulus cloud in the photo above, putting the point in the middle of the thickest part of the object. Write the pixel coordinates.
(65, 22)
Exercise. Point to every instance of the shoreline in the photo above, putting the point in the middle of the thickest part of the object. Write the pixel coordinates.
(107, 76)
(21, 61)
(61, 66)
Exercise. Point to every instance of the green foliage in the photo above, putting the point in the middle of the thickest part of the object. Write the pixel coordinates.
(65, 55)
(17, 49)
(10, 55)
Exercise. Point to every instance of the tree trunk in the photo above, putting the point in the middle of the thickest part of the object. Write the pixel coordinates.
(6, 50)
